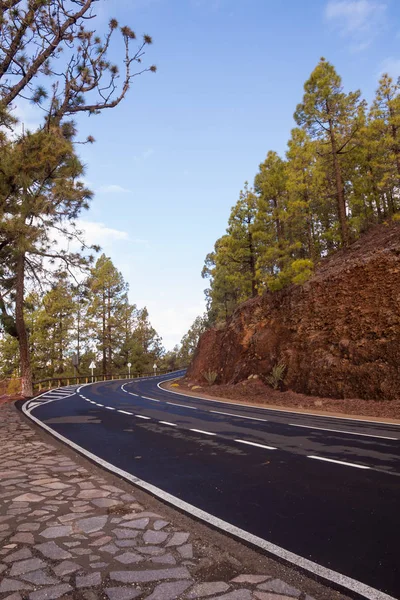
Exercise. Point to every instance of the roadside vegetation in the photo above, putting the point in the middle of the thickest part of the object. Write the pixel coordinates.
(51, 55)
(339, 178)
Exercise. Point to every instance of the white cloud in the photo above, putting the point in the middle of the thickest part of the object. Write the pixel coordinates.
(29, 118)
(98, 233)
(391, 66)
(360, 20)
(173, 323)
(113, 189)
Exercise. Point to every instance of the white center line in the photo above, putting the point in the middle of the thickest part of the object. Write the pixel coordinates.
(167, 423)
(109, 408)
(152, 399)
(339, 462)
(97, 404)
(201, 431)
(124, 412)
(132, 394)
(218, 412)
(182, 405)
(382, 437)
(142, 417)
(255, 444)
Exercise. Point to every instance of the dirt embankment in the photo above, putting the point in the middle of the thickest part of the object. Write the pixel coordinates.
(338, 335)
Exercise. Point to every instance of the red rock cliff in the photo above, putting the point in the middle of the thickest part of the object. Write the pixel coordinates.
(338, 335)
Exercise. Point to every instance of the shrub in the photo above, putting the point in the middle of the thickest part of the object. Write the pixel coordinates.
(210, 376)
(13, 387)
(275, 378)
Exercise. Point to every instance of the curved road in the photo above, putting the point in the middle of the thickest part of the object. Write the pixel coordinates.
(326, 489)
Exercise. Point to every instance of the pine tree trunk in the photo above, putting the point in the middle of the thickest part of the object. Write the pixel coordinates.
(109, 332)
(341, 202)
(252, 267)
(395, 145)
(26, 370)
(104, 336)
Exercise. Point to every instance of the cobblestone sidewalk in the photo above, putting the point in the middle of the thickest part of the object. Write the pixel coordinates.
(66, 533)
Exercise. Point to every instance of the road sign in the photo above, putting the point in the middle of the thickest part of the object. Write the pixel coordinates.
(129, 365)
(154, 366)
(91, 367)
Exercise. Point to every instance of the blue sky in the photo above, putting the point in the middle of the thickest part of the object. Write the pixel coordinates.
(170, 161)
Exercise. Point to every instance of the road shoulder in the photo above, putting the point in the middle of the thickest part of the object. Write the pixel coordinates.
(201, 395)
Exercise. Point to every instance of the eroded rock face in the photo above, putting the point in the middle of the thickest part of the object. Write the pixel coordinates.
(338, 335)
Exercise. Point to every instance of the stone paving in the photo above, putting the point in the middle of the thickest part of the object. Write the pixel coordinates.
(66, 533)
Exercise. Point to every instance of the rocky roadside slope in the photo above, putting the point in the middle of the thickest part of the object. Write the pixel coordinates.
(338, 335)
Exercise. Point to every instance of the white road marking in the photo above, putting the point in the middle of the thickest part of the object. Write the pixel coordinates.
(269, 408)
(109, 408)
(301, 562)
(132, 394)
(97, 404)
(219, 412)
(339, 462)
(182, 405)
(167, 423)
(201, 431)
(142, 417)
(382, 437)
(255, 444)
(152, 399)
(124, 412)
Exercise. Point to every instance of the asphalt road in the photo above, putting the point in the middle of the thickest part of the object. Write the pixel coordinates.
(327, 489)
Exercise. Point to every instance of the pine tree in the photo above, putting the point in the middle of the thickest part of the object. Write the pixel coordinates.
(191, 339)
(57, 322)
(147, 346)
(108, 292)
(384, 125)
(242, 246)
(272, 230)
(41, 196)
(332, 117)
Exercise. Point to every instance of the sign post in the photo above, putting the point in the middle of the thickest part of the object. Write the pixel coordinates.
(75, 363)
(155, 368)
(92, 366)
(129, 369)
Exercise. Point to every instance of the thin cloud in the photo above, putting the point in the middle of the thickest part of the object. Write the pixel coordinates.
(359, 20)
(144, 155)
(98, 233)
(391, 66)
(113, 189)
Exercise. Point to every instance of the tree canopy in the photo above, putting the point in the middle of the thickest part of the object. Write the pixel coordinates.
(340, 176)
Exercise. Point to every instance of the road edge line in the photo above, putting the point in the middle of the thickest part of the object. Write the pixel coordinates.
(283, 410)
(342, 581)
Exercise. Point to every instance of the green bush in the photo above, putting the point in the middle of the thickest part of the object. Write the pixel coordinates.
(210, 376)
(275, 378)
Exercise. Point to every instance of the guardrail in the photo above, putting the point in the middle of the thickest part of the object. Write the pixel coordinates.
(47, 384)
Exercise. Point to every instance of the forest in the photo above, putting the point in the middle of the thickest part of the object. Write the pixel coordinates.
(339, 178)
(93, 320)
